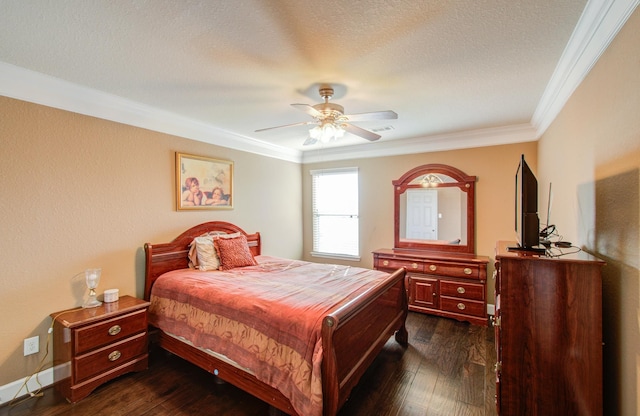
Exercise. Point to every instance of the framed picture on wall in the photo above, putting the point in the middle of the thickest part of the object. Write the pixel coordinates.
(203, 183)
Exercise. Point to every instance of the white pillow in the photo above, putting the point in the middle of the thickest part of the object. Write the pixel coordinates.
(206, 253)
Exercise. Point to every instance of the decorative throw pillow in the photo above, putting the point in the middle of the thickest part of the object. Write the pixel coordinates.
(206, 253)
(233, 252)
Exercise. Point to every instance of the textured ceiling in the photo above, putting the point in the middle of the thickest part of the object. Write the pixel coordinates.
(443, 66)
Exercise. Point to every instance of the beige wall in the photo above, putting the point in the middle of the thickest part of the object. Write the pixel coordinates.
(591, 154)
(81, 192)
(494, 166)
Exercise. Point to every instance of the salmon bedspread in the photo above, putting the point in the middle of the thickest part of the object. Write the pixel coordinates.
(266, 318)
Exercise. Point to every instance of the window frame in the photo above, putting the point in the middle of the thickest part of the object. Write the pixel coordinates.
(333, 171)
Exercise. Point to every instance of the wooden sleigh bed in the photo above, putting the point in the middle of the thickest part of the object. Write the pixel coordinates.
(352, 333)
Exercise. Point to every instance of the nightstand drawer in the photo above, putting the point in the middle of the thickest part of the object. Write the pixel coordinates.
(462, 290)
(410, 266)
(105, 332)
(111, 356)
(468, 271)
(463, 306)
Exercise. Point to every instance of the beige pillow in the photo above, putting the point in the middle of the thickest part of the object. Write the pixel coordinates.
(206, 253)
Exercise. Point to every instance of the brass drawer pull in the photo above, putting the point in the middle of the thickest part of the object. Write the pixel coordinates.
(115, 355)
(385, 263)
(414, 265)
(115, 330)
(467, 270)
(433, 267)
(461, 306)
(460, 290)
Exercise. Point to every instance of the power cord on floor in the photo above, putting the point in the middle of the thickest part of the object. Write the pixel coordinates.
(38, 392)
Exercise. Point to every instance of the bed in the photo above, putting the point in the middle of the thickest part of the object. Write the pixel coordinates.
(349, 333)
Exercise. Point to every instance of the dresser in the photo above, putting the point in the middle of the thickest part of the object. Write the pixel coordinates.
(453, 285)
(548, 332)
(94, 345)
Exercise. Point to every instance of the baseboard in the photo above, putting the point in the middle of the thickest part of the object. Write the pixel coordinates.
(17, 389)
(491, 309)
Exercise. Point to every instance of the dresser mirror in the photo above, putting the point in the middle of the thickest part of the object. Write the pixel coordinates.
(434, 209)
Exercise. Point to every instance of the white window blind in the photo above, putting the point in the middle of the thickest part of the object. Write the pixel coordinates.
(335, 212)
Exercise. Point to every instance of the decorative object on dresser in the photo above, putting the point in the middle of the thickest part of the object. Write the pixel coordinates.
(548, 333)
(314, 328)
(93, 346)
(434, 240)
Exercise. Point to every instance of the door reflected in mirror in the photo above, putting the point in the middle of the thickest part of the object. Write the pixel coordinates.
(434, 207)
(434, 214)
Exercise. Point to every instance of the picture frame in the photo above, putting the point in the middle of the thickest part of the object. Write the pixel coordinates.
(203, 183)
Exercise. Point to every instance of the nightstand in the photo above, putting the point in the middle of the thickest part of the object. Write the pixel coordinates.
(94, 345)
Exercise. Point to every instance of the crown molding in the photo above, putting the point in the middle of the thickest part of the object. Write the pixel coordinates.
(518, 133)
(598, 25)
(35, 87)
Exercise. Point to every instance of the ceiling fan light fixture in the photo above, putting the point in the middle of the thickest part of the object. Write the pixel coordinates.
(331, 122)
(326, 131)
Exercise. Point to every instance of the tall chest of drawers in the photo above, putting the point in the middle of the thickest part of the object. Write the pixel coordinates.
(94, 345)
(453, 285)
(548, 332)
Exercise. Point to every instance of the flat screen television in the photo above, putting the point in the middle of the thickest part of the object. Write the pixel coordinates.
(527, 222)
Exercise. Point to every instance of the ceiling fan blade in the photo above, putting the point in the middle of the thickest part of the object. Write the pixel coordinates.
(302, 123)
(366, 134)
(308, 109)
(309, 141)
(376, 115)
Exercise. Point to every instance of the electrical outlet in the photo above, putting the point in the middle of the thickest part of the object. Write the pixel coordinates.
(31, 345)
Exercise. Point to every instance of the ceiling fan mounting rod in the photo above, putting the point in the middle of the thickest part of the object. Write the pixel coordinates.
(326, 93)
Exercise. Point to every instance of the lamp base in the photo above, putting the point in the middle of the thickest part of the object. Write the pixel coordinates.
(92, 302)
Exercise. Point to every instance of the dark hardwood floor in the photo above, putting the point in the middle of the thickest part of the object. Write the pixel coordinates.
(446, 370)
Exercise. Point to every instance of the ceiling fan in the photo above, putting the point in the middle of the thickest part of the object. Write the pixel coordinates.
(331, 122)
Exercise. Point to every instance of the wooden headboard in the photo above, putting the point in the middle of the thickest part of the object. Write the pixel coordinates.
(161, 258)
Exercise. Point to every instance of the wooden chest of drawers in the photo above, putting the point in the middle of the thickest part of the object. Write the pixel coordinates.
(548, 332)
(446, 284)
(98, 344)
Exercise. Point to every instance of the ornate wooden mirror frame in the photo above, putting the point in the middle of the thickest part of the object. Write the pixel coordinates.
(436, 176)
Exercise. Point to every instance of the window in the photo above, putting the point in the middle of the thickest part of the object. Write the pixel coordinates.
(335, 213)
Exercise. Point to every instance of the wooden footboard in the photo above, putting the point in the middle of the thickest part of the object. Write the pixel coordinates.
(353, 335)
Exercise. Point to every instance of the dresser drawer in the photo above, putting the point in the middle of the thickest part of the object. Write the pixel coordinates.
(474, 291)
(412, 266)
(469, 271)
(111, 330)
(463, 306)
(110, 356)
